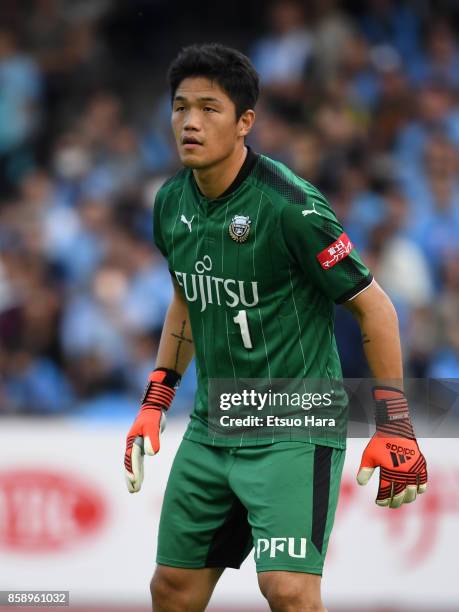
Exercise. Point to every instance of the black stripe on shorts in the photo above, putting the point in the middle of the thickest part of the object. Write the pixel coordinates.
(320, 494)
(231, 541)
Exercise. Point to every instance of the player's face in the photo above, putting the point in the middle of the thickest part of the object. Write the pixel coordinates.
(204, 123)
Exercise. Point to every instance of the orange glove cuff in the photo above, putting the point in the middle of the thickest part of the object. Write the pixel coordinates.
(161, 388)
(392, 413)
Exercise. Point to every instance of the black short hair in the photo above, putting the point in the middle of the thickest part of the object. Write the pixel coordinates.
(229, 68)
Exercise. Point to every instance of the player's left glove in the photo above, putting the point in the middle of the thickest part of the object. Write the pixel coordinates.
(402, 466)
(143, 437)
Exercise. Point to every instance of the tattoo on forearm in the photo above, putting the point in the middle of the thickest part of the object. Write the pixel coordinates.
(181, 339)
(365, 339)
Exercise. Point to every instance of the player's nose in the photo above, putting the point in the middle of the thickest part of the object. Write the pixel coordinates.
(191, 120)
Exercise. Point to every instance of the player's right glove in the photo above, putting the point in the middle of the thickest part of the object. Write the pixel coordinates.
(143, 437)
(402, 466)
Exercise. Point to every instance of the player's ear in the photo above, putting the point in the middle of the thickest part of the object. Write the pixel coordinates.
(246, 121)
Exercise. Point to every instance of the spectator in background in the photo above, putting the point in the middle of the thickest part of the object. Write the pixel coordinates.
(149, 292)
(282, 57)
(275, 127)
(400, 264)
(129, 297)
(393, 108)
(435, 111)
(340, 119)
(10, 309)
(71, 164)
(440, 62)
(93, 323)
(64, 39)
(46, 32)
(82, 251)
(306, 154)
(158, 149)
(101, 117)
(357, 67)
(332, 30)
(21, 87)
(445, 362)
(100, 155)
(435, 211)
(393, 23)
(35, 385)
(356, 202)
(32, 379)
(120, 166)
(37, 304)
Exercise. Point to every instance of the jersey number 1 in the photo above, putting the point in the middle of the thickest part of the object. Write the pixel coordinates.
(241, 320)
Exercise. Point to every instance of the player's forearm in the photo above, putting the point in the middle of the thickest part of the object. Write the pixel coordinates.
(378, 322)
(381, 342)
(176, 347)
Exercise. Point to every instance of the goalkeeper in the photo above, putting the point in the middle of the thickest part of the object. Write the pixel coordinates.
(258, 260)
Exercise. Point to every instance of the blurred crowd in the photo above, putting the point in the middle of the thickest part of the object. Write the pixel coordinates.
(362, 103)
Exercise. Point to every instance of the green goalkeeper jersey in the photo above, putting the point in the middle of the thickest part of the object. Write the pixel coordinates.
(261, 268)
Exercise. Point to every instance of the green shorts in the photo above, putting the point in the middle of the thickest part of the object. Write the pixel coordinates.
(221, 502)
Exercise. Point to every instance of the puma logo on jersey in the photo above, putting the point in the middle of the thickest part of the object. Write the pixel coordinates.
(305, 213)
(184, 220)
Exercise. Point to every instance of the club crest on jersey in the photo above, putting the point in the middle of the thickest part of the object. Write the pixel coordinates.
(239, 228)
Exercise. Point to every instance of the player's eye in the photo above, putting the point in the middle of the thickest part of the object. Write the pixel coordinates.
(209, 109)
(179, 109)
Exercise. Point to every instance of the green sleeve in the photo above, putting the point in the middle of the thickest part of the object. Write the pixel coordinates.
(317, 243)
(157, 235)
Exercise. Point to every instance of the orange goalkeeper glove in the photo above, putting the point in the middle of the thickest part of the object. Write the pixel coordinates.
(143, 437)
(394, 449)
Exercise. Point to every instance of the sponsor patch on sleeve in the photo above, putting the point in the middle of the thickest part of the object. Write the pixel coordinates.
(335, 252)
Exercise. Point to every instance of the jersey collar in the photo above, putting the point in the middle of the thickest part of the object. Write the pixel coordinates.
(245, 170)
